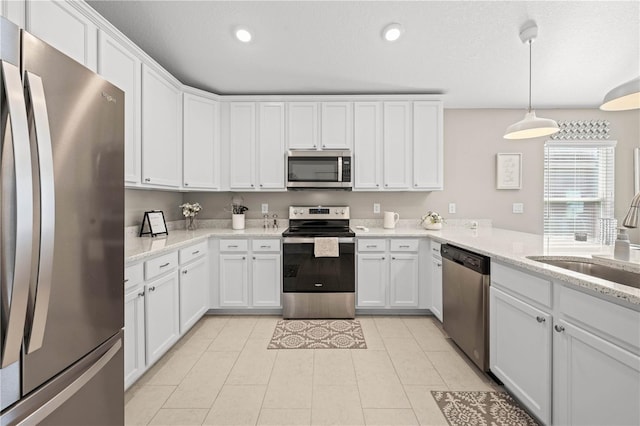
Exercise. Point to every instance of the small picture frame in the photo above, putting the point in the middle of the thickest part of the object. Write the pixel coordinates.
(153, 223)
(509, 170)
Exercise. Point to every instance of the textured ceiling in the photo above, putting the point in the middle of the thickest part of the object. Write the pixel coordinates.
(469, 51)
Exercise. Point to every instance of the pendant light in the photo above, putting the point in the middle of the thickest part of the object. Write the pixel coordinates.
(530, 126)
(624, 97)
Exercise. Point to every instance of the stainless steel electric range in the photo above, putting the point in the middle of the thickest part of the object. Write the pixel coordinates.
(318, 287)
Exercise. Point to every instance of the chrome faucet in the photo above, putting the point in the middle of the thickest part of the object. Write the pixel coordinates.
(631, 219)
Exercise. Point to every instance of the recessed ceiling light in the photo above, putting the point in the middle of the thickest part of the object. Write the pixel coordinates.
(243, 34)
(392, 32)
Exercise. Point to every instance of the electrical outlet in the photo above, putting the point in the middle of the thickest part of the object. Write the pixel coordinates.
(518, 208)
(452, 208)
(376, 207)
(265, 208)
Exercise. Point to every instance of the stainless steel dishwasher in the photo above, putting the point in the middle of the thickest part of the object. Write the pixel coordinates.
(465, 302)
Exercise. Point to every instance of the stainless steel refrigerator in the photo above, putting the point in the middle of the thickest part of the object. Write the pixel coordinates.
(62, 222)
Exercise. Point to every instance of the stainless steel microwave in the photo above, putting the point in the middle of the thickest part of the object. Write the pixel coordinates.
(319, 170)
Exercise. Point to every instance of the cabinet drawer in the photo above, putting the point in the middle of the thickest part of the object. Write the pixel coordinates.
(234, 245)
(133, 275)
(265, 245)
(160, 265)
(195, 251)
(435, 248)
(602, 316)
(372, 245)
(404, 245)
(534, 288)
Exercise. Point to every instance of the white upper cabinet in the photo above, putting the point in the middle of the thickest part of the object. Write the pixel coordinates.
(367, 146)
(337, 125)
(201, 143)
(428, 156)
(13, 10)
(271, 145)
(161, 130)
(118, 64)
(242, 142)
(64, 27)
(303, 125)
(397, 145)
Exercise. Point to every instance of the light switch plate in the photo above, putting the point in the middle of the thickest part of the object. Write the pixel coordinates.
(376, 207)
(518, 208)
(452, 208)
(265, 208)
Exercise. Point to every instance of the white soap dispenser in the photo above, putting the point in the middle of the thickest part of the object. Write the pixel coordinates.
(621, 250)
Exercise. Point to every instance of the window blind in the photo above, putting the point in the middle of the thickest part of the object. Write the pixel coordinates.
(578, 187)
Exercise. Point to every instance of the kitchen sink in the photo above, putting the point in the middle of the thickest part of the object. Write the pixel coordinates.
(588, 267)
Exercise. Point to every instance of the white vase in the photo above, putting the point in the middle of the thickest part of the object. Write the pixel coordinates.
(237, 221)
(432, 226)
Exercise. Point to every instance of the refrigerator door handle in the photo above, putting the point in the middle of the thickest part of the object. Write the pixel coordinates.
(17, 219)
(40, 288)
(51, 405)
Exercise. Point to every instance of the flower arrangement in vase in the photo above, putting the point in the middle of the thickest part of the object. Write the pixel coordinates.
(190, 211)
(432, 221)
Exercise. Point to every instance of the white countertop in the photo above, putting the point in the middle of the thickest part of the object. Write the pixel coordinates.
(510, 247)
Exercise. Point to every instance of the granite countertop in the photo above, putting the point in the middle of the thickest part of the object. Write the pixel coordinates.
(140, 248)
(514, 247)
(503, 245)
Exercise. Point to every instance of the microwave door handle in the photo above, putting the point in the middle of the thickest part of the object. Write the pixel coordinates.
(40, 288)
(17, 221)
(339, 169)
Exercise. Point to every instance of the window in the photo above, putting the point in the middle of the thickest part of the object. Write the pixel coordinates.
(578, 188)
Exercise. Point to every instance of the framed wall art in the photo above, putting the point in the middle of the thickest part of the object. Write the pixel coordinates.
(509, 171)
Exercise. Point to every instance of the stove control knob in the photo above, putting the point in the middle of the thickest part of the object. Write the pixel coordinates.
(342, 211)
(296, 211)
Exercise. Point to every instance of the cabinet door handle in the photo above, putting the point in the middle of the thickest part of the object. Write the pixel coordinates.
(372, 246)
(232, 246)
(141, 294)
(152, 288)
(196, 252)
(254, 258)
(403, 246)
(165, 265)
(147, 180)
(261, 185)
(244, 257)
(439, 265)
(559, 328)
(186, 184)
(540, 319)
(126, 280)
(383, 257)
(377, 185)
(185, 271)
(265, 246)
(393, 258)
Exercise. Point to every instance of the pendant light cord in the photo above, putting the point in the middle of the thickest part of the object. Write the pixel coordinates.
(530, 75)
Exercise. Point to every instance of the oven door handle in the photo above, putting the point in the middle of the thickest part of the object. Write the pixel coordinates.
(294, 240)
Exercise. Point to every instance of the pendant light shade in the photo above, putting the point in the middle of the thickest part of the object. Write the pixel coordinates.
(624, 97)
(530, 126)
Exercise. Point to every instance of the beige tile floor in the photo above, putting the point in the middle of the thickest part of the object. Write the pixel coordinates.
(221, 373)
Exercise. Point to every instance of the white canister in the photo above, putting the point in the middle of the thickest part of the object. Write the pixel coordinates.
(237, 221)
(391, 219)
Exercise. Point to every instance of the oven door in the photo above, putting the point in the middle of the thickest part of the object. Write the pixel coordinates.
(305, 273)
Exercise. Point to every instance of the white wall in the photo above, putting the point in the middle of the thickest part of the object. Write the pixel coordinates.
(472, 137)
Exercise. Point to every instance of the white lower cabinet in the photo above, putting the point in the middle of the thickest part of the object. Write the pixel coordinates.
(250, 273)
(575, 361)
(595, 382)
(388, 273)
(161, 315)
(194, 292)
(134, 346)
(403, 283)
(265, 282)
(436, 280)
(520, 348)
(233, 280)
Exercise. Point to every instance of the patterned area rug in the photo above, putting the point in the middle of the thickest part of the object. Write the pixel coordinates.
(481, 408)
(318, 334)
